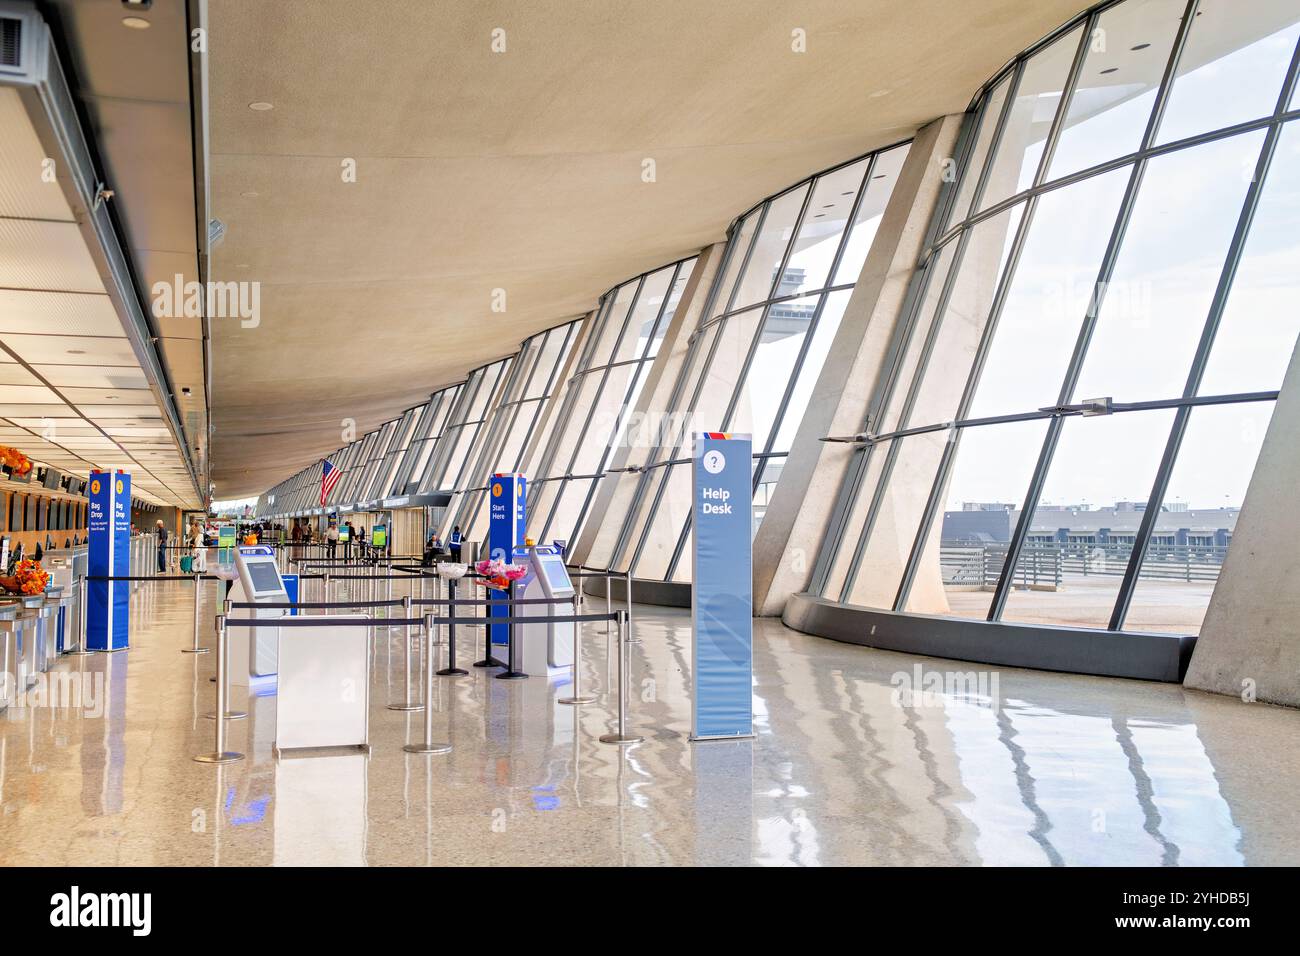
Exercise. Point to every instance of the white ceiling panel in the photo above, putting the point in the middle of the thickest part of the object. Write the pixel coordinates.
(101, 413)
(70, 350)
(13, 410)
(29, 185)
(45, 255)
(57, 313)
(79, 376)
(26, 393)
(12, 374)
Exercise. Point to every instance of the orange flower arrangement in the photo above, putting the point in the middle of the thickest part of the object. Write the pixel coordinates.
(30, 577)
(19, 463)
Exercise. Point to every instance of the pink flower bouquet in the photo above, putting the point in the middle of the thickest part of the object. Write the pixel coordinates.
(498, 574)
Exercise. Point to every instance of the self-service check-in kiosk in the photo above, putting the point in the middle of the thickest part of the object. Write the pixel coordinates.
(545, 648)
(257, 581)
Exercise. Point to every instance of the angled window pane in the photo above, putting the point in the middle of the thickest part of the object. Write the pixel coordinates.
(954, 343)
(809, 370)
(645, 312)
(1257, 333)
(1232, 66)
(1069, 571)
(822, 229)
(760, 275)
(967, 545)
(897, 517)
(1194, 527)
(1048, 297)
(1111, 104)
(984, 130)
(1156, 303)
(1030, 119)
(884, 176)
(784, 329)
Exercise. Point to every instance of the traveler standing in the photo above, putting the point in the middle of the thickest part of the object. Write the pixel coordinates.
(332, 538)
(454, 543)
(162, 547)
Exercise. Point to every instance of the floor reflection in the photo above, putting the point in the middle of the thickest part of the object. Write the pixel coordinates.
(846, 768)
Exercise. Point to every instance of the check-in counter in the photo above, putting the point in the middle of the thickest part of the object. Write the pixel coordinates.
(67, 566)
(22, 643)
(9, 652)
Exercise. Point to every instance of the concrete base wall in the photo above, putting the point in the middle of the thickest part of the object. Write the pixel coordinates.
(1250, 641)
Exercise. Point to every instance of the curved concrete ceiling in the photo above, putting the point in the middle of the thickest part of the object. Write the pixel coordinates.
(520, 170)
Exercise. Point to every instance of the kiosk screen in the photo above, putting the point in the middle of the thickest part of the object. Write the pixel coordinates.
(264, 577)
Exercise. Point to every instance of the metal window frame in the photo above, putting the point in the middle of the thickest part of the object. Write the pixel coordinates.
(1274, 125)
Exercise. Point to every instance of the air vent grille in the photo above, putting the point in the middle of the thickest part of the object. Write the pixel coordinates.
(11, 42)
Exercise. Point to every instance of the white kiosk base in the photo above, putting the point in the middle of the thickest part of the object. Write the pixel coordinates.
(324, 688)
(545, 648)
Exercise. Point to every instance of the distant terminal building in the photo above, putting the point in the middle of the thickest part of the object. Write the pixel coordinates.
(1176, 525)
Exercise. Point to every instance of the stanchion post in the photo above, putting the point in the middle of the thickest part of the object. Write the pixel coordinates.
(451, 670)
(408, 704)
(622, 737)
(328, 592)
(195, 649)
(84, 628)
(220, 754)
(428, 746)
(512, 671)
(223, 667)
(488, 660)
(631, 624)
(577, 696)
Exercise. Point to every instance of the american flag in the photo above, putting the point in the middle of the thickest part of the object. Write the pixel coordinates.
(329, 477)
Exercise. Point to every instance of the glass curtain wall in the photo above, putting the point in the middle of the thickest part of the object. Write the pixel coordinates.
(581, 438)
(773, 310)
(481, 392)
(511, 425)
(1078, 393)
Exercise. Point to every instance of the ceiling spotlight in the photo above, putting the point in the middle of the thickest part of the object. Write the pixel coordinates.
(1140, 46)
(250, 194)
(1110, 69)
(261, 106)
(136, 23)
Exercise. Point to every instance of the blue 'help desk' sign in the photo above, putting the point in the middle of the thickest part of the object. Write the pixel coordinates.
(722, 595)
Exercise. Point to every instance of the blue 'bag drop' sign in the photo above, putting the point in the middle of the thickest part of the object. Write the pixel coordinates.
(722, 597)
(109, 555)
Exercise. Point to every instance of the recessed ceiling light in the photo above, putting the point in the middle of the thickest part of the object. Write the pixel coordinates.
(880, 93)
(261, 106)
(241, 265)
(76, 351)
(250, 194)
(136, 23)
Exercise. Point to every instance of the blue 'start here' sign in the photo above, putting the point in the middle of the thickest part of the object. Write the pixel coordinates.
(507, 518)
(722, 597)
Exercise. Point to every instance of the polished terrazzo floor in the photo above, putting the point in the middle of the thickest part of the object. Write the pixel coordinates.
(1020, 767)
